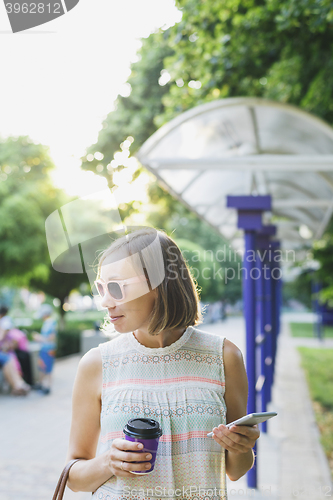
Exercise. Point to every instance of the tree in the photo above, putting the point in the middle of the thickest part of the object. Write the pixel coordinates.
(275, 49)
(58, 285)
(27, 198)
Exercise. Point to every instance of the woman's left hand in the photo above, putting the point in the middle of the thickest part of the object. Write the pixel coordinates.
(236, 439)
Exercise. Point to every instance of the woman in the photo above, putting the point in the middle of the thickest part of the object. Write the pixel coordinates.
(159, 366)
(16, 345)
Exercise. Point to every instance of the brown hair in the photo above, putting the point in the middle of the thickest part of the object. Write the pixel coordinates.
(177, 303)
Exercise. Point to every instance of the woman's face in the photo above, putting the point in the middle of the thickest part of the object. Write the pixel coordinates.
(132, 312)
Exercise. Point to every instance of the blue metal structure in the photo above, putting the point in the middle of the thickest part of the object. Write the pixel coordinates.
(250, 209)
(262, 298)
(276, 300)
(265, 340)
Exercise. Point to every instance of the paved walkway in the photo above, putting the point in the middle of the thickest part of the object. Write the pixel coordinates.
(291, 464)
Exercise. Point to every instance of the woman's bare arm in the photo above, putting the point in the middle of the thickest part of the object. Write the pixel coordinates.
(87, 474)
(238, 440)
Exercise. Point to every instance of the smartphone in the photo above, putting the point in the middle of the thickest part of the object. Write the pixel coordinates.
(251, 419)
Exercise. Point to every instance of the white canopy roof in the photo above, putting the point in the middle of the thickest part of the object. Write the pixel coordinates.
(248, 146)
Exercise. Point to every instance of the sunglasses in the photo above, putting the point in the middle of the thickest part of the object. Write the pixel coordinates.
(116, 288)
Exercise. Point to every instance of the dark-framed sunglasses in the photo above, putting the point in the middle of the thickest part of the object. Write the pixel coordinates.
(116, 288)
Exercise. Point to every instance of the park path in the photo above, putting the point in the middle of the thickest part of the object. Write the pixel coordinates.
(291, 464)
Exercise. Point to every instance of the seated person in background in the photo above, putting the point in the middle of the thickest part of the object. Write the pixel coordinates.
(6, 344)
(17, 384)
(15, 343)
(47, 337)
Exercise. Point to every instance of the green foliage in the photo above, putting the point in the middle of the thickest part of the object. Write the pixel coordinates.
(322, 252)
(68, 339)
(267, 48)
(27, 197)
(318, 366)
(204, 268)
(68, 342)
(299, 288)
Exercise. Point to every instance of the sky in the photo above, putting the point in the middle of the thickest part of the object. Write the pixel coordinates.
(60, 80)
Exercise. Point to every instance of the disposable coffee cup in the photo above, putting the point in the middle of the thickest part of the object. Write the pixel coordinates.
(148, 432)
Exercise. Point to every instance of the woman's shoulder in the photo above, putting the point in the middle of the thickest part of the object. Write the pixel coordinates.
(91, 361)
(88, 379)
(232, 355)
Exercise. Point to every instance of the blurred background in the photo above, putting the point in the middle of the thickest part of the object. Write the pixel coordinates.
(77, 104)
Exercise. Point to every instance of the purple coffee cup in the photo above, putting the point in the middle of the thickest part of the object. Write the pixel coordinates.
(148, 432)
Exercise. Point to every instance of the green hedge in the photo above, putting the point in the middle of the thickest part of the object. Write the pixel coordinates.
(68, 340)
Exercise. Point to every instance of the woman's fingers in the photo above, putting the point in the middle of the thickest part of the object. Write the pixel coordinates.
(130, 466)
(236, 439)
(229, 444)
(251, 433)
(126, 454)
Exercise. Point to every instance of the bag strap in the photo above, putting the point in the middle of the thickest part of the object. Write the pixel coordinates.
(60, 488)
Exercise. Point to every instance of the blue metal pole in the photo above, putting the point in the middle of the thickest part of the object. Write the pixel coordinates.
(279, 303)
(261, 338)
(274, 314)
(265, 339)
(250, 210)
(276, 302)
(268, 332)
(250, 326)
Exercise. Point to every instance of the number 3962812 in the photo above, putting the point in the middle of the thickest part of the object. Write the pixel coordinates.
(33, 8)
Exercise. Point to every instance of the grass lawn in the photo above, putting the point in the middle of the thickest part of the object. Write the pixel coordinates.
(318, 366)
(307, 330)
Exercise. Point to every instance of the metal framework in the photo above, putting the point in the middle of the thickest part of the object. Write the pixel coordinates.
(248, 146)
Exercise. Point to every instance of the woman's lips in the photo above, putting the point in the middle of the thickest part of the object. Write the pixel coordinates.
(115, 318)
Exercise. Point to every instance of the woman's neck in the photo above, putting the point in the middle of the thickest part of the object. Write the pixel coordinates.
(162, 339)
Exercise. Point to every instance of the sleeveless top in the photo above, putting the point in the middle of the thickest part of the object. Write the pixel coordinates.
(181, 386)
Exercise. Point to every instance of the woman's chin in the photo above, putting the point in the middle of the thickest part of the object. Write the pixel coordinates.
(121, 327)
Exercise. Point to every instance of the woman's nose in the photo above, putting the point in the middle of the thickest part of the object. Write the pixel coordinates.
(108, 301)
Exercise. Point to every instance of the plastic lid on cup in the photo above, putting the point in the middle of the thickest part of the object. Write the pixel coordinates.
(144, 428)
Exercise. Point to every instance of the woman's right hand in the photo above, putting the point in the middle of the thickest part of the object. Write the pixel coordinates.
(122, 453)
